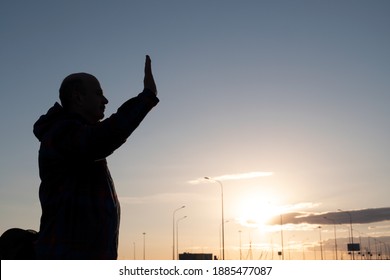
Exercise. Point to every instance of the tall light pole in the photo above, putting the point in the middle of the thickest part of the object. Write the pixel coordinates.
(335, 237)
(144, 233)
(322, 256)
(240, 245)
(177, 235)
(223, 219)
(281, 236)
(134, 250)
(173, 230)
(220, 238)
(350, 222)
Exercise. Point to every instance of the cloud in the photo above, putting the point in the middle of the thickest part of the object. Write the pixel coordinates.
(229, 177)
(362, 216)
(301, 205)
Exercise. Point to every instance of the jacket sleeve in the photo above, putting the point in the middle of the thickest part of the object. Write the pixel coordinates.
(93, 142)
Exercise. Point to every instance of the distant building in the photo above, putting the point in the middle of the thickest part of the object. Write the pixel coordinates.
(200, 256)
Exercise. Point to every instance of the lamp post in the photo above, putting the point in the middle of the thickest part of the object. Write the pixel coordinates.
(144, 233)
(335, 238)
(322, 256)
(173, 230)
(350, 222)
(240, 245)
(220, 238)
(281, 236)
(177, 235)
(223, 219)
(134, 250)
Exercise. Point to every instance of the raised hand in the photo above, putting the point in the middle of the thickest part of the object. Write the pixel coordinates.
(148, 79)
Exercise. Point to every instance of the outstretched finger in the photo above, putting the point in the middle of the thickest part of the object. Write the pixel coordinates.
(148, 67)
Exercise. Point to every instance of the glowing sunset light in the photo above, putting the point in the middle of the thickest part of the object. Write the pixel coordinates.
(254, 211)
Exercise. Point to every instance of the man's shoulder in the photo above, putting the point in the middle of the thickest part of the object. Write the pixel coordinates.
(54, 121)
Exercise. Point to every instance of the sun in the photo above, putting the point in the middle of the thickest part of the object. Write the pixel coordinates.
(256, 211)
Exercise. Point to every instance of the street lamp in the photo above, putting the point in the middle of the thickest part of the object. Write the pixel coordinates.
(173, 230)
(144, 233)
(223, 219)
(281, 236)
(350, 221)
(335, 238)
(177, 235)
(220, 238)
(134, 249)
(322, 256)
(240, 245)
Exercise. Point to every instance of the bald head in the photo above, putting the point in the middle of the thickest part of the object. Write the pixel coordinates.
(81, 93)
(75, 82)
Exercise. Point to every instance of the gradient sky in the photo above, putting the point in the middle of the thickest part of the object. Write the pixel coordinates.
(300, 89)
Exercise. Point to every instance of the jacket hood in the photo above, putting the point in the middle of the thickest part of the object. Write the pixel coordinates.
(45, 122)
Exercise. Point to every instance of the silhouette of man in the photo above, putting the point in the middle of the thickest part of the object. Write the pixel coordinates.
(80, 208)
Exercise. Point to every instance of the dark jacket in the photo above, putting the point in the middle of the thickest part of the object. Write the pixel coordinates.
(80, 208)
